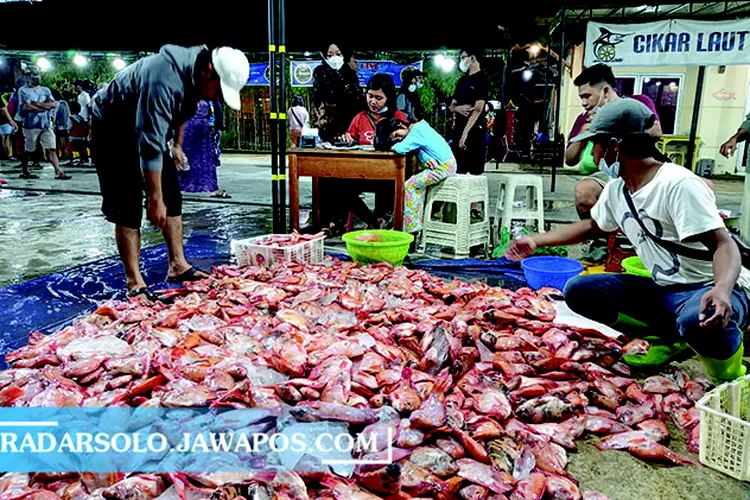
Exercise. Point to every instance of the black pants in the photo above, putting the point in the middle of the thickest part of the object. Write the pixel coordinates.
(472, 159)
(115, 153)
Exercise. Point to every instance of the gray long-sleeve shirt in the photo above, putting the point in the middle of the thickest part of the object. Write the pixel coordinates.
(154, 96)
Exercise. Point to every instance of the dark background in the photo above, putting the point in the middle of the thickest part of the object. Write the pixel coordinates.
(139, 25)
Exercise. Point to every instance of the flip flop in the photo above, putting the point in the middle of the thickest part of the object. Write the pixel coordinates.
(63, 177)
(221, 194)
(28, 176)
(189, 275)
(145, 292)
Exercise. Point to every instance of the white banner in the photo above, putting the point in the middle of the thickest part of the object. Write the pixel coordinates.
(676, 42)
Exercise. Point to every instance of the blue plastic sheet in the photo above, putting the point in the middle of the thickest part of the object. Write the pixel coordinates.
(50, 302)
(496, 272)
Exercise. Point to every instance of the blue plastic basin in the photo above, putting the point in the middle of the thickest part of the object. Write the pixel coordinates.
(550, 271)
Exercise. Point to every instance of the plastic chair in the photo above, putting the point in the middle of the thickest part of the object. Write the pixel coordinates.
(448, 215)
(531, 207)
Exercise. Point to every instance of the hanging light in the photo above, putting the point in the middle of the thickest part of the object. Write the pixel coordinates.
(44, 64)
(80, 60)
(534, 49)
(119, 64)
(307, 53)
(527, 75)
(438, 60)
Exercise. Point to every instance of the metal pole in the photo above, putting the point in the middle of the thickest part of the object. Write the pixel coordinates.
(558, 110)
(696, 113)
(273, 113)
(282, 116)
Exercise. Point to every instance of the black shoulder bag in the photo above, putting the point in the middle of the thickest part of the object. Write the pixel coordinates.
(692, 253)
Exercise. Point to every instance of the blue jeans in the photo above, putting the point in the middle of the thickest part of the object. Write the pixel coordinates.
(671, 312)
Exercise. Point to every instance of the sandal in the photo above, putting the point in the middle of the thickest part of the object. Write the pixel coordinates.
(136, 292)
(189, 275)
(221, 194)
(28, 176)
(63, 177)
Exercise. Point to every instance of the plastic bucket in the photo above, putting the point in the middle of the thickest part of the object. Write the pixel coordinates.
(378, 245)
(550, 271)
(634, 265)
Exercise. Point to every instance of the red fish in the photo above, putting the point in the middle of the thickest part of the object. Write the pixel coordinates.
(560, 488)
(531, 488)
(694, 439)
(635, 346)
(624, 440)
(660, 385)
(696, 388)
(655, 429)
(635, 392)
(603, 425)
(493, 402)
(557, 433)
(484, 475)
(312, 411)
(685, 419)
(631, 415)
(655, 451)
(549, 457)
(474, 492)
(432, 413)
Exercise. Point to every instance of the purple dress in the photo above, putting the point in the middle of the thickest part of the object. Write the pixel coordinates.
(198, 146)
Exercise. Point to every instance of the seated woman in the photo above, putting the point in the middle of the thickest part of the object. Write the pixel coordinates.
(434, 155)
(381, 105)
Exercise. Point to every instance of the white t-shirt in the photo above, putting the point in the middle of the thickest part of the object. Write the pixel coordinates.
(675, 205)
(84, 99)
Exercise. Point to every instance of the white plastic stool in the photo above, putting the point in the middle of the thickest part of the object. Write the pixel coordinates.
(506, 209)
(463, 191)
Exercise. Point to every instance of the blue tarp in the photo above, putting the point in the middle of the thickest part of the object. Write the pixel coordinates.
(50, 302)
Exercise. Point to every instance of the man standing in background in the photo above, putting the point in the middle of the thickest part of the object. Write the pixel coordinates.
(35, 103)
(469, 137)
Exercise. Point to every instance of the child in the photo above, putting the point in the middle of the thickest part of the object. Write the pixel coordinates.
(434, 155)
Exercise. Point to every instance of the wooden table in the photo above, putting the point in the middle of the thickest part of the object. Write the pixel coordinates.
(345, 164)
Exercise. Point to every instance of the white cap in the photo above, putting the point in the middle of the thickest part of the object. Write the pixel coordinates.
(234, 70)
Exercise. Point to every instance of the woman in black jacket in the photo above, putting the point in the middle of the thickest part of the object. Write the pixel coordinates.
(337, 96)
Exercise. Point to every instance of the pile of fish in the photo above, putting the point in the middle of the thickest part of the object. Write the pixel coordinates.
(287, 240)
(482, 393)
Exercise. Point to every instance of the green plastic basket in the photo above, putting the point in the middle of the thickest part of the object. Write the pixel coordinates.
(633, 265)
(391, 247)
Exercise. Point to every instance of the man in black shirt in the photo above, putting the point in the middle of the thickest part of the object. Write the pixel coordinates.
(469, 122)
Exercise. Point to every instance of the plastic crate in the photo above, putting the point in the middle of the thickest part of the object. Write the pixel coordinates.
(249, 253)
(725, 428)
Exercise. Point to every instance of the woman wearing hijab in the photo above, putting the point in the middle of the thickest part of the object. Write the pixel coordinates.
(408, 98)
(337, 97)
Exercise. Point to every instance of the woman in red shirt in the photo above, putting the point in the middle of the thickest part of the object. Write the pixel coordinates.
(381, 103)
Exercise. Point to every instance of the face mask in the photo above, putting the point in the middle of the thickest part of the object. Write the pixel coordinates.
(412, 88)
(419, 85)
(336, 62)
(611, 171)
(464, 65)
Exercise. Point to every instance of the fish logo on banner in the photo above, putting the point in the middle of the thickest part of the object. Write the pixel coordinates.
(605, 47)
(303, 74)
